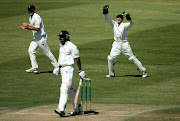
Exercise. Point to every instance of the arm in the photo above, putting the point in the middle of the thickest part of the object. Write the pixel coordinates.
(129, 24)
(28, 27)
(81, 73)
(78, 62)
(106, 17)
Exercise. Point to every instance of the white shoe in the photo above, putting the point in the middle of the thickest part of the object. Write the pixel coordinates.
(144, 74)
(34, 70)
(61, 113)
(109, 76)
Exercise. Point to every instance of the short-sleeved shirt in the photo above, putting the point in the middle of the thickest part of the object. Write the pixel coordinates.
(67, 53)
(36, 21)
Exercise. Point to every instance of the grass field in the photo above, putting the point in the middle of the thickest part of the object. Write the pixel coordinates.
(154, 39)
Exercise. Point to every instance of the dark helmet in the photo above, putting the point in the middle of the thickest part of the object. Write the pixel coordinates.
(64, 34)
(31, 8)
(120, 16)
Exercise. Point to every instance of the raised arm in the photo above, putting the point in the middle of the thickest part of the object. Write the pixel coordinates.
(106, 17)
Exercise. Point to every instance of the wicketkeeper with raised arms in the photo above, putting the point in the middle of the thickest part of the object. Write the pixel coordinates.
(121, 43)
(39, 39)
(68, 52)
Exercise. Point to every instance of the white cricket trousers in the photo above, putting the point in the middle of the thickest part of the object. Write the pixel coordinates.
(67, 87)
(43, 44)
(125, 48)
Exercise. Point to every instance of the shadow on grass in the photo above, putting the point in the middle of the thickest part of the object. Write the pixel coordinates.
(44, 72)
(86, 113)
(131, 76)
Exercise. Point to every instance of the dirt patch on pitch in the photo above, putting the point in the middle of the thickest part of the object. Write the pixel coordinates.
(99, 112)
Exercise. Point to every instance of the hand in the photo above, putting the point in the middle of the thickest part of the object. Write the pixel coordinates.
(105, 9)
(56, 71)
(127, 15)
(22, 27)
(81, 74)
(25, 24)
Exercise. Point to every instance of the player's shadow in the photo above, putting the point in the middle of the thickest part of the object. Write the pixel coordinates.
(131, 76)
(91, 112)
(44, 72)
(86, 113)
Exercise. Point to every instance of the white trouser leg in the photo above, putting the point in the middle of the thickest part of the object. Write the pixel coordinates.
(112, 58)
(32, 53)
(128, 53)
(63, 96)
(111, 64)
(43, 44)
(67, 73)
(137, 63)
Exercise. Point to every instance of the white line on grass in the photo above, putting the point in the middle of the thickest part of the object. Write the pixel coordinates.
(134, 113)
(26, 110)
(46, 114)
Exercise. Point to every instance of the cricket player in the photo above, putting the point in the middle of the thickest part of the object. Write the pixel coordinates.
(39, 39)
(121, 43)
(68, 52)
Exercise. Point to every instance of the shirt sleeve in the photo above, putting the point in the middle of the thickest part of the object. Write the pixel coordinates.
(111, 22)
(129, 24)
(75, 52)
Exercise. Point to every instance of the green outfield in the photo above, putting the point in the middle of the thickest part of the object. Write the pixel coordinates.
(154, 39)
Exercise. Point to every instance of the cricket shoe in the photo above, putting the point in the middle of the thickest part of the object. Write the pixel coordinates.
(109, 76)
(61, 113)
(78, 111)
(144, 74)
(34, 70)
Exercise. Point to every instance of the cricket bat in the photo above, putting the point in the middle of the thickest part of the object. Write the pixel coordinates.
(77, 94)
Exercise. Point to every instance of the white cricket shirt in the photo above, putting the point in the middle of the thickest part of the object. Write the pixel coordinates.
(67, 53)
(36, 21)
(120, 30)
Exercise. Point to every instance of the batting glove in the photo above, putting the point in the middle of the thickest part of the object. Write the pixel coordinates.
(105, 9)
(127, 15)
(81, 74)
(56, 71)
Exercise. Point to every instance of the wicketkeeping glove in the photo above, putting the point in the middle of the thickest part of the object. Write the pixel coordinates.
(127, 15)
(81, 74)
(105, 9)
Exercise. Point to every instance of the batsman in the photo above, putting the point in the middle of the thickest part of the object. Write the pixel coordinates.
(68, 53)
(121, 44)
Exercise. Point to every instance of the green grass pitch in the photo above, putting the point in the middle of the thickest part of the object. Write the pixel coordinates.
(154, 39)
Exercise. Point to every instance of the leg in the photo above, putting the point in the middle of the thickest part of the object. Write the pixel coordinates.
(32, 54)
(112, 58)
(45, 48)
(67, 77)
(128, 53)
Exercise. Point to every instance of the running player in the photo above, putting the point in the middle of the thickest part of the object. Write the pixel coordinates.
(39, 39)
